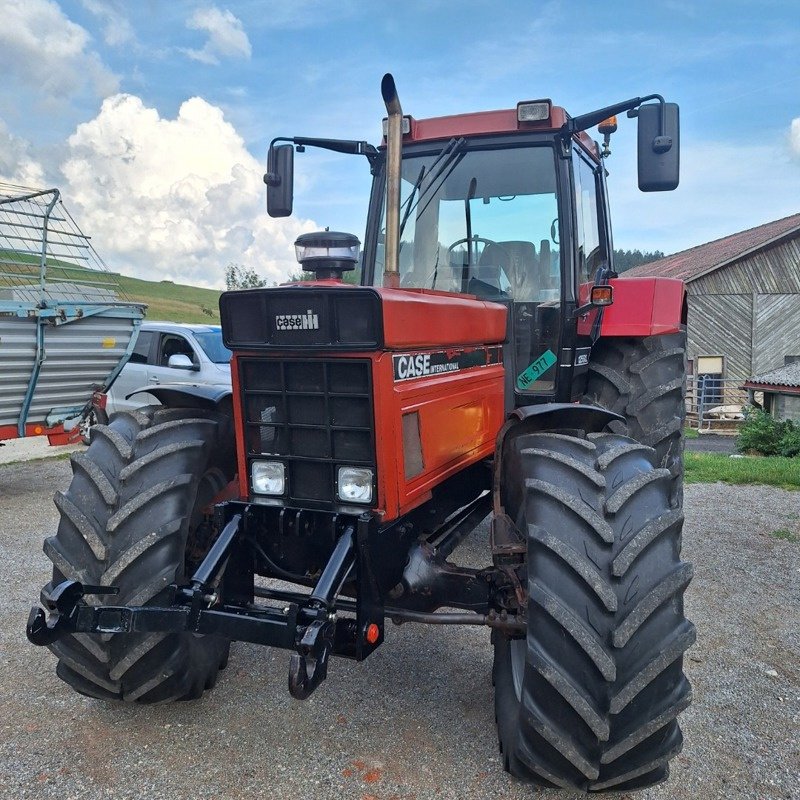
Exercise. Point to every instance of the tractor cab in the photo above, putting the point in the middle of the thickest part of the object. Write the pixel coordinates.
(508, 206)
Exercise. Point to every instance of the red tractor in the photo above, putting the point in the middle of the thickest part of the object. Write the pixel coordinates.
(480, 368)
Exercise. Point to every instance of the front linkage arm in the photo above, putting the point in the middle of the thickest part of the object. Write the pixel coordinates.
(310, 628)
(189, 609)
(218, 599)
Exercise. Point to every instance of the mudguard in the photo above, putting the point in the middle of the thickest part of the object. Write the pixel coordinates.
(174, 395)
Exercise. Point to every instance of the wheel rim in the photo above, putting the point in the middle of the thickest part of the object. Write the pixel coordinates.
(517, 648)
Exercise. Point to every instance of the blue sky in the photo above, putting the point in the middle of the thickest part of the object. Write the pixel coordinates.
(154, 117)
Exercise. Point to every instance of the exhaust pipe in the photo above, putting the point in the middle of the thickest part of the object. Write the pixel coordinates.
(394, 137)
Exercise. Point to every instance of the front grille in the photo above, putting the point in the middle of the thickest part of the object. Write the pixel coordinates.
(314, 415)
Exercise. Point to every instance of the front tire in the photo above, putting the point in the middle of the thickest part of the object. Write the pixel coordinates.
(132, 509)
(588, 700)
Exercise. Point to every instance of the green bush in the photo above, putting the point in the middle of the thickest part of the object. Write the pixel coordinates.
(760, 433)
(790, 441)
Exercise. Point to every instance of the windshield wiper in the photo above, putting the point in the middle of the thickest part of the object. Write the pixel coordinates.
(445, 159)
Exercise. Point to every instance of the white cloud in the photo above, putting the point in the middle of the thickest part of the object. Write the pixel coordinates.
(226, 36)
(17, 165)
(794, 136)
(174, 198)
(42, 48)
(117, 29)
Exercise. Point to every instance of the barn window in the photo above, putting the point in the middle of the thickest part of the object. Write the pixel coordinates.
(710, 370)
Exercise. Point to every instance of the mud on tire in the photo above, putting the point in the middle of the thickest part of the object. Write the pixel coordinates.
(588, 701)
(135, 498)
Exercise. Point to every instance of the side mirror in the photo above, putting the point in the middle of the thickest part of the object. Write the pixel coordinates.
(658, 149)
(180, 361)
(280, 180)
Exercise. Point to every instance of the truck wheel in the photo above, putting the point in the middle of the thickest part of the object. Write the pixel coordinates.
(644, 380)
(588, 700)
(129, 516)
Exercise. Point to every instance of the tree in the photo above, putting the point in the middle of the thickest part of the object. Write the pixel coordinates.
(352, 276)
(625, 259)
(237, 276)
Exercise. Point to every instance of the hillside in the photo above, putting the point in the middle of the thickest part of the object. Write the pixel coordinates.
(175, 302)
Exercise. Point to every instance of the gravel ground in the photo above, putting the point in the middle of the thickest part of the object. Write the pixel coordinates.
(416, 719)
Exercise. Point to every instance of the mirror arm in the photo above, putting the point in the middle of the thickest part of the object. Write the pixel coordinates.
(661, 143)
(271, 178)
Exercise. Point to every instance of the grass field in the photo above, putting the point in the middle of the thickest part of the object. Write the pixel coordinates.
(174, 302)
(770, 470)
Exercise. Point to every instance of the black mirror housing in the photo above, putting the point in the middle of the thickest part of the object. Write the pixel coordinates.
(280, 180)
(658, 150)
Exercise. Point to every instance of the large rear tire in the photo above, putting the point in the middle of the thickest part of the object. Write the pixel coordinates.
(133, 507)
(588, 700)
(644, 380)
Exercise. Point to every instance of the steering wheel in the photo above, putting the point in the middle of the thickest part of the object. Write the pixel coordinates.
(554, 230)
(468, 240)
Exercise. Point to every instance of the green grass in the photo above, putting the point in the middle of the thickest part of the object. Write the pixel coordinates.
(175, 302)
(785, 535)
(690, 433)
(770, 470)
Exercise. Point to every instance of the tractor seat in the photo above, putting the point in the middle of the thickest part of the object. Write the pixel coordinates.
(516, 258)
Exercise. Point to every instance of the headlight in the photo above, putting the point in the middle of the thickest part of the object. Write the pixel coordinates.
(354, 484)
(268, 477)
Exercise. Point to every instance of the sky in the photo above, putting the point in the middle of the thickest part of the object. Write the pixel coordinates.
(154, 117)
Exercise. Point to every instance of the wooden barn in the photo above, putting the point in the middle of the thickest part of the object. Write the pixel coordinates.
(744, 300)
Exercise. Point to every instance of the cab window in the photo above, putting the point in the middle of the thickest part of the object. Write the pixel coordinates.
(482, 222)
(590, 254)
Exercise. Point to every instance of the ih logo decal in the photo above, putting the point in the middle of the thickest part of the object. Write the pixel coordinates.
(297, 322)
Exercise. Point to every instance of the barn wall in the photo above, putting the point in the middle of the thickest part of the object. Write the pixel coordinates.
(721, 325)
(749, 311)
(777, 330)
(773, 271)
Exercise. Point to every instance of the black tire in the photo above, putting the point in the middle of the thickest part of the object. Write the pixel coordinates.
(135, 499)
(644, 380)
(599, 677)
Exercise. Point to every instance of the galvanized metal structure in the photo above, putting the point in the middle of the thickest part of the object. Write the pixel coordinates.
(65, 330)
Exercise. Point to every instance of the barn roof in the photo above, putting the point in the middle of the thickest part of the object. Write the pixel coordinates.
(688, 265)
(783, 377)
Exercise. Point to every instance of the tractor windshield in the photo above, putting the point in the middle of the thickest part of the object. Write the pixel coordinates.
(484, 222)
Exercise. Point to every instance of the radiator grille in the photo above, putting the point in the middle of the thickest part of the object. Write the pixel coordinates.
(314, 415)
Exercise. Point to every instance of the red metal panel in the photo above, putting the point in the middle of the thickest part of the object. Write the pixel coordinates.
(55, 435)
(459, 416)
(424, 318)
(480, 123)
(644, 307)
(238, 426)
